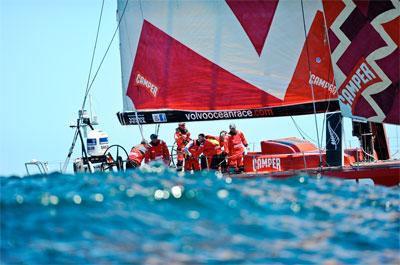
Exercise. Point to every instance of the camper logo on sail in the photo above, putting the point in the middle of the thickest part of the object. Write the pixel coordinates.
(362, 77)
(318, 81)
(144, 82)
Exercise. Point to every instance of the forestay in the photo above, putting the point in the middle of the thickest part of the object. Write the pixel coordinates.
(211, 60)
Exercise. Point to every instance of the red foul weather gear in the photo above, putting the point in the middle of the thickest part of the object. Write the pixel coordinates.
(234, 146)
(182, 138)
(210, 147)
(193, 150)
(223, 141)
(158, 151)
(137, 154)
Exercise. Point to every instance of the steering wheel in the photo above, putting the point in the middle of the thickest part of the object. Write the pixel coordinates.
(116, 160)
(174, 154)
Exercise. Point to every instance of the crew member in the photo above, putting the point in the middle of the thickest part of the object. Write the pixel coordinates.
(211, 149)
(182, 138)
(192, 152)
(223, 138)
(234, 147)
(158, 150)
(137, 155)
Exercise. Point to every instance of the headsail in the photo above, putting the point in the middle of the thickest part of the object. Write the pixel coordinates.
(364, 40)
(210, 60)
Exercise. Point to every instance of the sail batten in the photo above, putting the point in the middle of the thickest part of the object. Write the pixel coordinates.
(223, 56)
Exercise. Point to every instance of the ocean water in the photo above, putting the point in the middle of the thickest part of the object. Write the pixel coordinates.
(156, 216)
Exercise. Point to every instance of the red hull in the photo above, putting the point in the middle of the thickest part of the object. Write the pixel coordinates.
(381, 173)
(289, 157)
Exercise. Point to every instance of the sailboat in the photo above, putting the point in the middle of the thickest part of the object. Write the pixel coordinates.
(214, 60)
(193, 61)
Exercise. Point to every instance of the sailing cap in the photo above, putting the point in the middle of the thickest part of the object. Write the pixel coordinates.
(153, 136)
(232, 126)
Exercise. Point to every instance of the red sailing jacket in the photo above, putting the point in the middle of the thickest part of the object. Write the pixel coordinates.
(211, 147)
(223, 140)
(137, 153)
(194, 148)
(234, 143)
(157, 151)
(182, 139)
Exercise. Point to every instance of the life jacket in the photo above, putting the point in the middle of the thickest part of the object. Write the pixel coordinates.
(157, 151)
(235, 143)
(137, 153)
(182, 138)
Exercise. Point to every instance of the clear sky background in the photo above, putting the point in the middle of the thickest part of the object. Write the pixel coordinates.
(45, 53)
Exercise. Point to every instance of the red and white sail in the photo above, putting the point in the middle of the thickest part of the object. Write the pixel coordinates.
(364, 40)
(207, 60)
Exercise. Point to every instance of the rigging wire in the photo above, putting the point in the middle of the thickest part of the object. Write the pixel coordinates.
(93, 54)
(329, 73)
(105, 54)
(311, 85)
(301, 132)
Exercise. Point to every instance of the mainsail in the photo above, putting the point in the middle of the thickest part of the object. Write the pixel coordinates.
(211, 60)
(364, 40)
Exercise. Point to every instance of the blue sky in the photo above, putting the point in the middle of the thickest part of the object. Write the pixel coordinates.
(45, 52)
